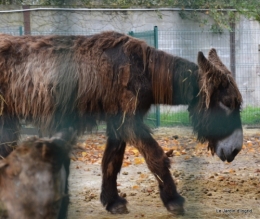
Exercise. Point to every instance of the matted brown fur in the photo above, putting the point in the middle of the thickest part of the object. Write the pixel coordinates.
(42, 76)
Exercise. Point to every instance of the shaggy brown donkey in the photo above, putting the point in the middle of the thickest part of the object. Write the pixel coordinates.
(60, 81)
(34, 178)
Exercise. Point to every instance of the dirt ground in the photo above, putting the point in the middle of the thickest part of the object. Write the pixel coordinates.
(212, 188)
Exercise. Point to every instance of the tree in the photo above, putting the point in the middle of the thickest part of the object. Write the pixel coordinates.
(222, 11)
(249, 8)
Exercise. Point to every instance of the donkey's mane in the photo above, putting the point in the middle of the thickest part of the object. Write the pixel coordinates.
(159, 64)
(161, 67)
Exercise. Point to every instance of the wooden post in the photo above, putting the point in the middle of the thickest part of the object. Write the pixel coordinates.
(27, 20)
(232, 37)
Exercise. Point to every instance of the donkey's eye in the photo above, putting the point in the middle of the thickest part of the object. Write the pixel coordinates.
(227, 104)
(225, 108)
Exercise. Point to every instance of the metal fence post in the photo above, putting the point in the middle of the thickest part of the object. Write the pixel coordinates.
(21, 30)
(157, 112)
(131, 33)
(232, 41)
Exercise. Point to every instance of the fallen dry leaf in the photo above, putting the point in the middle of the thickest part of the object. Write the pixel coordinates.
(177, 153)
(169, 153)
(143, 176)
(187, 157)
(135, 187)
(83, 153)
(232, 171)
(138, 160)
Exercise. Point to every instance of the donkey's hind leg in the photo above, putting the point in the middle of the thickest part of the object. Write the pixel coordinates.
(9, 134)
(159, 165)
(111, 165)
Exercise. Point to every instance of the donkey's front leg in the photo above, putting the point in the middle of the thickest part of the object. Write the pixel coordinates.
(159, 165)
(111, 165)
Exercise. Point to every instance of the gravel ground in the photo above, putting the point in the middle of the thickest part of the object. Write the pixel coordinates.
(212, 189)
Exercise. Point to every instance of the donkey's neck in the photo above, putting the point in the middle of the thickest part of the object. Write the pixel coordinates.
(185, 81)
(174, 79)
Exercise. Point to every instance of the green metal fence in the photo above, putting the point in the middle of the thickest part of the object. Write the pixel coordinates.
(151, 37)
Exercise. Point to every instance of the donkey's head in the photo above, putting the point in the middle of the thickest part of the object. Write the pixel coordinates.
(33, 177)
(215, 112)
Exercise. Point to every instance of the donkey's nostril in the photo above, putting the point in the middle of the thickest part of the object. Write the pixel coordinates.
(235, 152)
(232, 156)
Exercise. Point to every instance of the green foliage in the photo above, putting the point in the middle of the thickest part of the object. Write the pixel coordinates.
(169, 119)
(11, 2)
(250, 115)
(223, 12)
(249, 8)
(178, 118)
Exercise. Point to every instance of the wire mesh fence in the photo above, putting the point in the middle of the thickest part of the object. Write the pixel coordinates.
(239, 50)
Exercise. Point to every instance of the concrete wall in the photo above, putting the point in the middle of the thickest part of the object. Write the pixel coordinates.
(10, 22)
(96, 21)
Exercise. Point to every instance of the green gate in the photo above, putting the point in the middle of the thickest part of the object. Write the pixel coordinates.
(151, 38)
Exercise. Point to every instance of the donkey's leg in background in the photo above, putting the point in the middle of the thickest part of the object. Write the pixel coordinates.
(66, 199)
(68, 135)
(9, 134)
(159, 165)
(111, 165)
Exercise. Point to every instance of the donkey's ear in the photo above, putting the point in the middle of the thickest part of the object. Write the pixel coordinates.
(215, 60)
(66, 134)
(46, 150)
(3, 163)
(213, 53)
(203, 63)
(65, 138)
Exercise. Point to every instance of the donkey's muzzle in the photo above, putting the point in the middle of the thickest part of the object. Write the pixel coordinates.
(229, 147)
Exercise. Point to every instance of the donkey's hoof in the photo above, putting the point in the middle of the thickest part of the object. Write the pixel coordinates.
(176, 206)
(118, 207)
